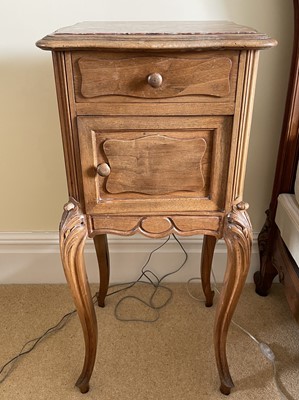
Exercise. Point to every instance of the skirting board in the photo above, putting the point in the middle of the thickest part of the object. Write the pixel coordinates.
(33, 257)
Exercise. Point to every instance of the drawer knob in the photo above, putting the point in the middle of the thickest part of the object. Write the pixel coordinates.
(155, 80)
(103, 169)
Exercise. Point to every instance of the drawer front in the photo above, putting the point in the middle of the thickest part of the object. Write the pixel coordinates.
(156, 164)
(208, 76)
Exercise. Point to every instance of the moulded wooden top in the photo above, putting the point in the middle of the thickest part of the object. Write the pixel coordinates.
(156, 35)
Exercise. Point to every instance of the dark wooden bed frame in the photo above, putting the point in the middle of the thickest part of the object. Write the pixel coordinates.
(274, 255)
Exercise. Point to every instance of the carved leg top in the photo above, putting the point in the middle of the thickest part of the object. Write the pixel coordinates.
(238, 221)
(72, 225)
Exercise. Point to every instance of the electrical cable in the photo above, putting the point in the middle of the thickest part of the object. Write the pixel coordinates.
(263, 347)
(145, 273)
(7, 367)
(156, 285)
(133, 283)
(35, 342)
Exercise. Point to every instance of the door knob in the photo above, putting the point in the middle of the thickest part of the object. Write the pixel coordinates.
(103, 169)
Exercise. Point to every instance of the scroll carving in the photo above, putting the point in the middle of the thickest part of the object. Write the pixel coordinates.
(72, 226)
(238, 227)
(264, 236)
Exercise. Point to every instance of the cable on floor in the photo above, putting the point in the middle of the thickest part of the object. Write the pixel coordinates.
(7, 367)
(263, 347)
(145, 273)
(153, 280)
(148, 275)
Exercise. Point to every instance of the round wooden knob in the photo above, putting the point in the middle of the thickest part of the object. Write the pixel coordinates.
(155, 80)
(103, 169)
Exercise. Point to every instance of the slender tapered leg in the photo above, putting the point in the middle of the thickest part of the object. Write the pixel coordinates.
(238, 238)
(208, 247)
(102, 250)
(73, 232)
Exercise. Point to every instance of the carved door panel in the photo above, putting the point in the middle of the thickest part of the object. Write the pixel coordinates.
(146, 164)
(155, 164)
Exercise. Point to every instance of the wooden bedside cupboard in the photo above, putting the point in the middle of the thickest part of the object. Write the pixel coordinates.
(155, 120)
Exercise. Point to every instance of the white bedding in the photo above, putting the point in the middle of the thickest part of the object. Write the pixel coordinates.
(287, 220)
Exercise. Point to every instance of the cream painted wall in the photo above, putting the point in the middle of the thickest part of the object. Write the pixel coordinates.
(33, 187)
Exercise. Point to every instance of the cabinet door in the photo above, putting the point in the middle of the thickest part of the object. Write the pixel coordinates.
(154, 165)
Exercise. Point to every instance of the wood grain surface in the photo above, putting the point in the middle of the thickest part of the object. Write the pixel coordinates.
(180, 76)
(155, 165)
(101, 76)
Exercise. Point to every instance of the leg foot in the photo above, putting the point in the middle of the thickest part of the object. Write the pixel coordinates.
(83, 386)
(263, 282)
(102, 250)
(208, 247)
(238, 238)
(73, 232)
(225, 389)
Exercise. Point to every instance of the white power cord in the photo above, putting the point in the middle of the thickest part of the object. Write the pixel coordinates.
(264, 348)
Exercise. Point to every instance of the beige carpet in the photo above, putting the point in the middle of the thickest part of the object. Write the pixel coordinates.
(170, 359)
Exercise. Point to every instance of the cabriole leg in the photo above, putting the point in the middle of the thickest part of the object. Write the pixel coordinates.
(238, 238)
(73, 232)
(208, 248)
(102, 250)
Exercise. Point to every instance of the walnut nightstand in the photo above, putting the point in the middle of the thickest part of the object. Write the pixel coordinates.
(155, 121)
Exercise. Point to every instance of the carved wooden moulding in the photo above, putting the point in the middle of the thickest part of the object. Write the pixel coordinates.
(155, 226)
